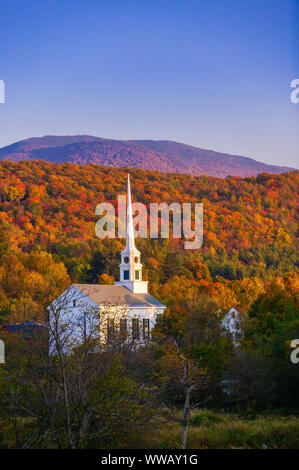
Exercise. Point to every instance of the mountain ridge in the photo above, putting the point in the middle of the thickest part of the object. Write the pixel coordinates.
(165, 156)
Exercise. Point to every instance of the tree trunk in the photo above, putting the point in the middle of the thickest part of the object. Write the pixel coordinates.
(186, 416)
(68, 418)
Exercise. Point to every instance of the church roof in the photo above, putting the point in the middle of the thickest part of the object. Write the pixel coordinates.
(117, 295)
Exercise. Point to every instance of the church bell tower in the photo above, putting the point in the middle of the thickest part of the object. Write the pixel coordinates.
(130, 266)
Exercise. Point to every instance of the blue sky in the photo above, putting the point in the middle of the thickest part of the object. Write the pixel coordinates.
(211, 73)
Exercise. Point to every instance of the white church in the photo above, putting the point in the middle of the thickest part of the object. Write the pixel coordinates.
(127, 305)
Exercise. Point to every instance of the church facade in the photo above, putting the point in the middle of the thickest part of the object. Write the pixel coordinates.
(127, 305)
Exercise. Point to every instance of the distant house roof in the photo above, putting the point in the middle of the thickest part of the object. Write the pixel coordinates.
(26, 329)
(117, 295)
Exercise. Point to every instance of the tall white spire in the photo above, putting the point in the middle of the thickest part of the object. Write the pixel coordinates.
(130, 267)
(130, 242)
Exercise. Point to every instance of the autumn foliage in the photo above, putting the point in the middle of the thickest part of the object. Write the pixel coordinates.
(47, 236)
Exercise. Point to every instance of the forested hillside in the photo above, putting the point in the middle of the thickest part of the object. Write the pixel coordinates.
(47, 212)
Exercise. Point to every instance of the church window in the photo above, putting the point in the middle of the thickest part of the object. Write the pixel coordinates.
(145, 328)
(126, 275)
(110, 328)
(126, 259)
(136, 259)
(74, 303)
(135, 328)
(123, 326)
(137, 275)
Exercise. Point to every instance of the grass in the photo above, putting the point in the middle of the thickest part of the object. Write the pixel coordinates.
(209, 430)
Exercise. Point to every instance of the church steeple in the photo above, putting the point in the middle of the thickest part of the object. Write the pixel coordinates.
(130, 267)
(130, 241)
